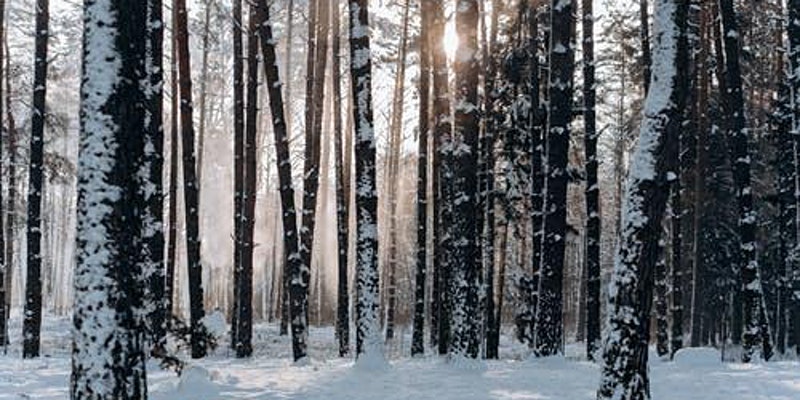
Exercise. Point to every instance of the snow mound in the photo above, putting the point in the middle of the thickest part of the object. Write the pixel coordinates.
(462, 363)
(215, 323)
(698, 357)
(196, 384)
(373, 361)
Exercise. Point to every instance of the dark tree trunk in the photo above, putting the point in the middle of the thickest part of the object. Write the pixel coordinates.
(190, 189)
(794, 82)
(172, 226)
(661, 297)
(733, 106)
(678, 280)
(418, 340)
(4, 264)
(463, 230)
(625, 371)
(151, 187)
(549, 330)
(644, 33)
(244, 292)
(592, 190)
(108, 358)
(33, 283)
(289, 212)
(442, 127)
(238, 166)
(367, 282)
(343, 159)
(287, 83)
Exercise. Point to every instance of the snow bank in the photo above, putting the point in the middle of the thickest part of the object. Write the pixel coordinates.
(698, 357)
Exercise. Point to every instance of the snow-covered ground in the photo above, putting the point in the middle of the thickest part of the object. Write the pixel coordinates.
(270, 375)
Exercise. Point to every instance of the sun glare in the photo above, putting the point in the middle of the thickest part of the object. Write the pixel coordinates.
(450, 40)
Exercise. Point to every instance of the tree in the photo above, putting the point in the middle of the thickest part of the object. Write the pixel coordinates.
(288, 210)
(343, 155)
(592, 190)
(190, 188)
(624, 373)
(794, 82)
(549, 329)
(4, 264)
(367, 282)
(463, 230)
(33, 284)
(108, 359)
(238, 167)
(733, 105)
(418, 340)
(172, 204)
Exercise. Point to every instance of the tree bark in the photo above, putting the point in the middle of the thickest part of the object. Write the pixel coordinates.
(238, 166)
(108, 359)
(625, 372)
(418, 340)
(592, 191)
(733, 106)
(190, 188)
(33, 283)
(549, 331)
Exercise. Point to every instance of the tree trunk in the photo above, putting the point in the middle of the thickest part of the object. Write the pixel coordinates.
(33, 283)
(442, 129)
(151, 187)
(367, 281)
(284, 167)
(238, 165)
(108, 359)
(11, 202)
(733, 106)
(592, 191)
(343, 156)
(549, 330)
(190, 189)
(418, 340)
(4, 264)
(172, 228)
(284, 298)
(201, 131)
(794, 82)
(625, 374)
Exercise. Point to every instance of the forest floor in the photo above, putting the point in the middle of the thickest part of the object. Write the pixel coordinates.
(695, 374)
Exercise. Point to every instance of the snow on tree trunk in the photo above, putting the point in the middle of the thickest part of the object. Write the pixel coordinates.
(289, 212)
(418, 340)
(733, 106)
(33, 283)
(108, 359)
(794, 84)
(549, 329)
(592, 190)
(150, 181)
(625, 372)
(368, 345)
(4, 264)
(465, 279)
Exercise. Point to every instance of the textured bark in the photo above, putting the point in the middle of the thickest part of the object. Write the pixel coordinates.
(794, 82)
(190, 187)
(367, 283)
(33, 283)
(592, 191)
(442, 127)
(108, 358)
(463, 230)
(4, 264)
(151, 187)
(284, 298)
(418, 340)
(343, 155)
(625, 371)
(733, 105)
(661, 304)
(238, 165)
(549, 330)
(282, 159)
